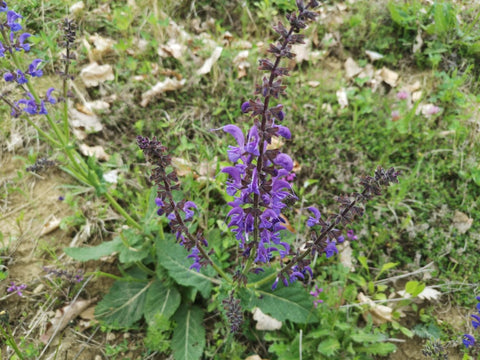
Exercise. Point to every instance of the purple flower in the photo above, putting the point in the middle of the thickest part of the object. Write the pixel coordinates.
(12, 17)
(395, 114)
(476, 322)
(195, 255)
(468, 340)
(284, 161)
(283, 131)
(235, 153)
(2, 50)
(8, 76)
(402, 95)
(246, 107)
(32, 68)
(432, 110)
(21, 79)
(351, 235)
(313, 220)
(21, 42)
(316, 293)
(187, 208)
(16, 288)
(331, 249)
(43, 109)
(50, 98)
(3, 6)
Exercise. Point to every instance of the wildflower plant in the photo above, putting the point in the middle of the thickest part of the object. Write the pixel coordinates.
(155, 269)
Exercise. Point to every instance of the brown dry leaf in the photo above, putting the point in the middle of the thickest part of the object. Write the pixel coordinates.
(380, 313)
(276, 143)
(242, 64)
(182, 166)
(63, 316)
(15, 141)
(172, 48)
(389, 76)
(103, 45)
(201, 172)
(351, 68)
(373, 55)
(287, 224)
(51, 225)
(83, 123)
(304, 52)
(208, 64)
(169, 84)
(242, 44)
(462, 222)
(88, 314)
(97, 151)
(94, 74)
(313, 83)
(264, 321)
(342, 98)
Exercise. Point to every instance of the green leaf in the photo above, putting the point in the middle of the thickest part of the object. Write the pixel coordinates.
(363, 261)
(188, 340)
(328, 347)
(161, 300)
(382, 348)
(173, 257)
(406, 332)
(386, 267)
(364, 337)
(123, 305)
(95, 252)
(414, 288)
(286, 303)
(135, 246)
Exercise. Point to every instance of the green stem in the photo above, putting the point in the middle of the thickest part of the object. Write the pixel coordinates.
(11, 340)
(121, 210)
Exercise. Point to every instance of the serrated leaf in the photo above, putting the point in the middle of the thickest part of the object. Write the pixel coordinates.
(135, 247)
(328, 347)
(123, 305)
(94, 253)
(365, 337)
(173, 257)
(188, 340)
(161, 300)
(286, 303)
(382, 348)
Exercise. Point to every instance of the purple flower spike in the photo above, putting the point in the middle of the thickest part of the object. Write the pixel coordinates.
(32, 69)
(195, 255)
(12, 17)
(284, 161)
(16, 288)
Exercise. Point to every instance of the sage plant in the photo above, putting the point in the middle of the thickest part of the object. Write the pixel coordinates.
(259, 182)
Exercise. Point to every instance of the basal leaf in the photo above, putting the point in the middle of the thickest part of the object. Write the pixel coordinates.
(173, 257)
(188, 339)
(123, 305)
(161, 300)
(286, 303)
(95, 252)
(382, 348)
(328, 347)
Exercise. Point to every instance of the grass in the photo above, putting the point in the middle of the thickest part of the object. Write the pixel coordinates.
(416, 223)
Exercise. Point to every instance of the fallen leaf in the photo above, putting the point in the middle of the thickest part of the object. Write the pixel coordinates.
(313, 83)
(462, 222)
(97, 151)
(172, 48)
(380, 313)
(351, 68)
(389, 76)
(207, 65)
(84, 123)
(264, 321)
(276, 143)
(169, 84)
(342, 98)
(345, 252)
(50, 226)
(94, 74)
(287, 224)
(63, 317)
(76, 9)
(241, 62)
(15, 141)
(417, 45)
(373, 55)
(102, 45)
